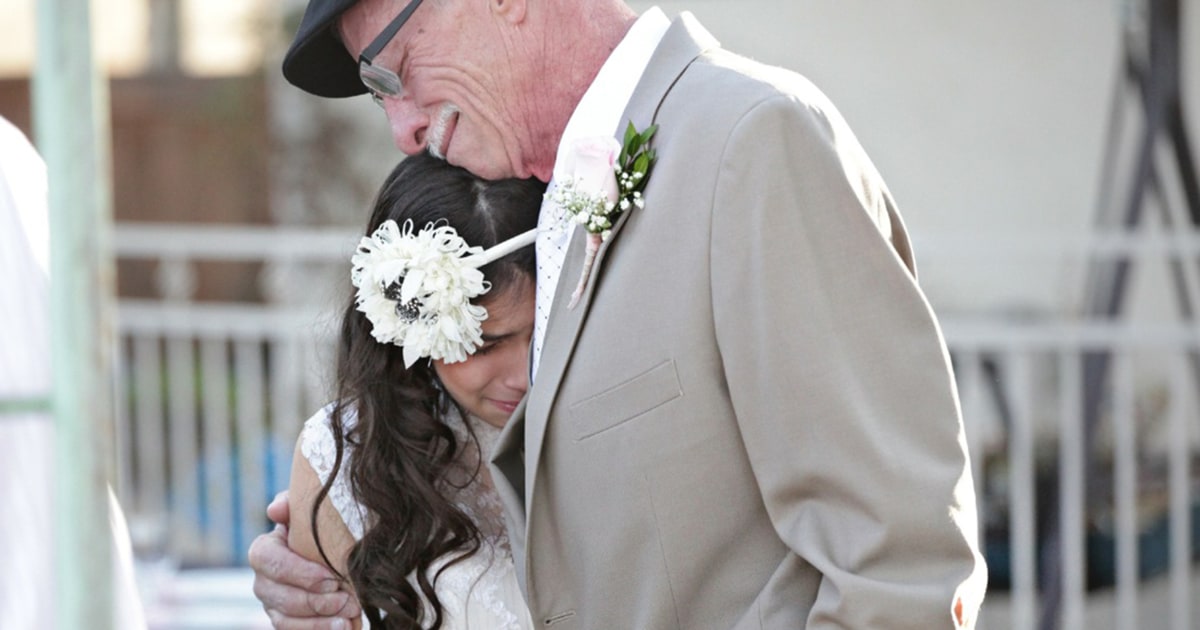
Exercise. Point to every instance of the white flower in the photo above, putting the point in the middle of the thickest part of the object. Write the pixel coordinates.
(590, 166)
(416, 290)
(586, 187)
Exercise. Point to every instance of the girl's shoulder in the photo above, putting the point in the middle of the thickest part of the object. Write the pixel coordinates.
(319, 449)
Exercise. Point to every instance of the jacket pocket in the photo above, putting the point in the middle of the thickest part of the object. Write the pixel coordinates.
(635, 397)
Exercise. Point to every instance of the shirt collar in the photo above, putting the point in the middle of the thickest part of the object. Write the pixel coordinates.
(598, 112)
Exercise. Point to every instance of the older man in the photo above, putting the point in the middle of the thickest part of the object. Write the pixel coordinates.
(748, 418)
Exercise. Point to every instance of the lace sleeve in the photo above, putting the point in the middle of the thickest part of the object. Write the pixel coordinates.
(317, 446)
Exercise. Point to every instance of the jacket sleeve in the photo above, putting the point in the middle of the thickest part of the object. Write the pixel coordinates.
(839, 375)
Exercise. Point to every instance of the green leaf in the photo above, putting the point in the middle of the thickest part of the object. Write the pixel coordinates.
(641, 164)
(635, 146)
(630, 134)
(649, 133)
(636, 155)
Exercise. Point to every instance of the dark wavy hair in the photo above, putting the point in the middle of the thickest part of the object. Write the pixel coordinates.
(402, 449)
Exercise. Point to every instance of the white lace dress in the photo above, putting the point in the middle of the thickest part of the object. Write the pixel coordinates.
(479, 593)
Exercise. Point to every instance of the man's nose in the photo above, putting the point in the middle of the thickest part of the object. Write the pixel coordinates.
(408, 122)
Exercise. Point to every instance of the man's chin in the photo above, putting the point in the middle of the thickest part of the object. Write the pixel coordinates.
(489, 171)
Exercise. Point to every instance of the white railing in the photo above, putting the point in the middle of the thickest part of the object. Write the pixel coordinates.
(1084, 434)
(212, 397)
(1126, 508)
(212, 394)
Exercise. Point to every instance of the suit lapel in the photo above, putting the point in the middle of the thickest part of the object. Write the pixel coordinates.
(508, 459)
(682, 43)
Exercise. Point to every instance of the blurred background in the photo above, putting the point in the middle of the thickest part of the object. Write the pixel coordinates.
(1043, 155)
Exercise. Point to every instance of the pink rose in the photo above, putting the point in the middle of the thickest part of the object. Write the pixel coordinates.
(591, 163)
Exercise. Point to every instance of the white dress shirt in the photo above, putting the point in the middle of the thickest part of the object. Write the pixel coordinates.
(597, 114)
(28, 595)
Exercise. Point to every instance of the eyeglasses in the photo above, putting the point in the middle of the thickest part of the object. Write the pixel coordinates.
(382, 82)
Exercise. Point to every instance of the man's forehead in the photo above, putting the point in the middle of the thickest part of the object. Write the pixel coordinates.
(362, 21)
(355, 28)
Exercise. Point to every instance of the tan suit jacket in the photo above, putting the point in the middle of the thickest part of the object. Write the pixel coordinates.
(749, 420)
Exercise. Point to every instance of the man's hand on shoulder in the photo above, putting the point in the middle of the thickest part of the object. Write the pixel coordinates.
(296, 594)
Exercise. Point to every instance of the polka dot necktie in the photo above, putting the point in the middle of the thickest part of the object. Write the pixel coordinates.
(553, 238)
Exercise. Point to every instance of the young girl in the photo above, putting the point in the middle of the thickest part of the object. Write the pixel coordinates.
(389, 484)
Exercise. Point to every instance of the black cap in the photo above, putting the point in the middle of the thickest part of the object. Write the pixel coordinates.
(317, 62)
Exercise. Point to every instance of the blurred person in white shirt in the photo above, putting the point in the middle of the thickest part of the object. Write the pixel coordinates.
(28, 595)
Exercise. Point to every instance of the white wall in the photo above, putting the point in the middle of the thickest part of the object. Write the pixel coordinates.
(986, 118)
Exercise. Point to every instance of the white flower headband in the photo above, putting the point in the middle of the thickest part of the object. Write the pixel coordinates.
(416, 288)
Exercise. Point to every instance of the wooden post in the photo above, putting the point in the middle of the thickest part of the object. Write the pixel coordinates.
(164, 36)
(71, 125)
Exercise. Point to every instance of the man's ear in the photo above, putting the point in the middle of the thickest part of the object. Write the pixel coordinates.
(512, 11)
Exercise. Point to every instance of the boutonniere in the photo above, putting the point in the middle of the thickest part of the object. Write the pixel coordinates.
(603, 181)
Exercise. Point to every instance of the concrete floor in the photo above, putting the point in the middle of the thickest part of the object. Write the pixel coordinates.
(213, 599)
(1100, 612)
